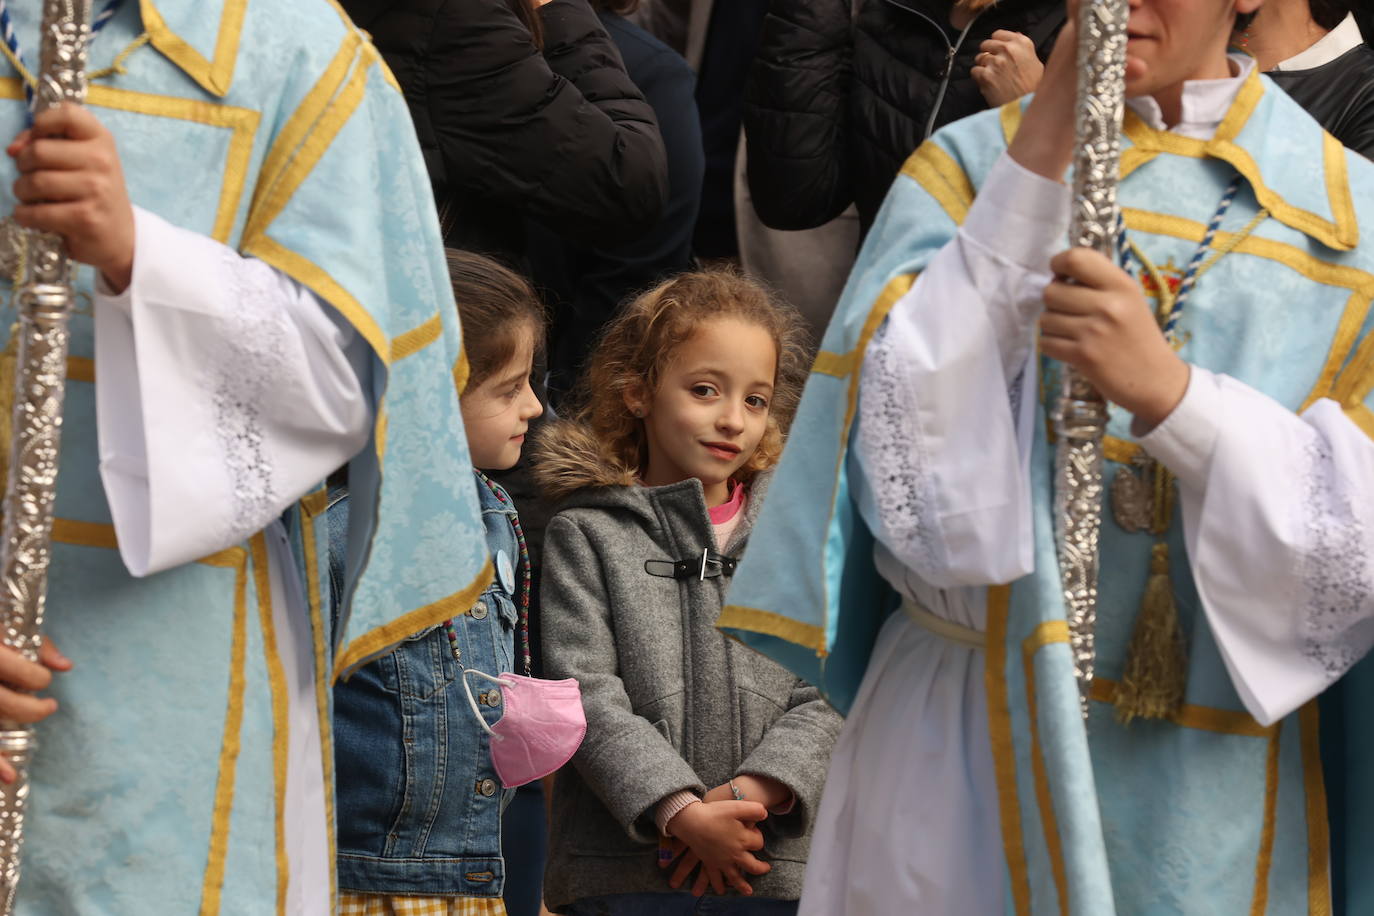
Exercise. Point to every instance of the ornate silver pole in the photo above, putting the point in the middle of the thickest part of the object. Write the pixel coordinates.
(1081, 414)
(43, 298)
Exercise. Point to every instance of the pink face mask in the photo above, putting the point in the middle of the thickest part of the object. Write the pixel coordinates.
(541, 729)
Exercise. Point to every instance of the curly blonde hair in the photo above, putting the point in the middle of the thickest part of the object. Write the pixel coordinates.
(631, 355)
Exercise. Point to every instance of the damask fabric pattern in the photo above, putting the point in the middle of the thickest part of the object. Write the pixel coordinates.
(272, 128)
(379, 905)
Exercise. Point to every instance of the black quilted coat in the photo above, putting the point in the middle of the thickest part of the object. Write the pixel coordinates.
(835, 106)
(562, 138)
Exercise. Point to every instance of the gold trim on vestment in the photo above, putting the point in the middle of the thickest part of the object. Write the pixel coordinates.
(1050, 632)
(1004, 748)
(80, 369)
(230, 744)
(313, 506)
(416, 339)
(309, 274)
(1318, 828)
(767, 623)
(243, 122)
(1010, 117)
(281, 723)
(1201, 718)
(462, 371)
(1359, 282)
(1342, 232)
(288, 140)
(214, 76)
(380, 640)
(1259, 903)
(942, 178)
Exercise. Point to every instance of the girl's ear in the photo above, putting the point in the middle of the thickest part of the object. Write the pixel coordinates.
(635, 401)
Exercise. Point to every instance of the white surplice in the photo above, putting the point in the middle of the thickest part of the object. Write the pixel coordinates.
(225, 391)
(909, 819)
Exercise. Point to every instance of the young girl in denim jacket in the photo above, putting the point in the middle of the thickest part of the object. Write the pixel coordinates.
(703, 762)
(419, 802)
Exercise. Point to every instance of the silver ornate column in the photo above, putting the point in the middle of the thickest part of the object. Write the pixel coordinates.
(1081, 414)
(43, 297)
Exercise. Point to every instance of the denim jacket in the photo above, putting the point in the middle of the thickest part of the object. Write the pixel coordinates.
(419, 803)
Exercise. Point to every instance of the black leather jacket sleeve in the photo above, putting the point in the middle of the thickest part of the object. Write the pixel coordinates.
(796, 114)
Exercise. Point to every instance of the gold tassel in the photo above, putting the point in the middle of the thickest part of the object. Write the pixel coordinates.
(1155, 678)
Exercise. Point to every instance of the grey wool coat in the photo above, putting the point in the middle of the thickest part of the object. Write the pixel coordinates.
(671, 703)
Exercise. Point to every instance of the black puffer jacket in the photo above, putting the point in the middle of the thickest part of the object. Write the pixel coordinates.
(563, 138)
(1339, 95)
(834, 108)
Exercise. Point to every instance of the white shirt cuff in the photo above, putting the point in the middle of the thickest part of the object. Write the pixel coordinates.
(1185, 439)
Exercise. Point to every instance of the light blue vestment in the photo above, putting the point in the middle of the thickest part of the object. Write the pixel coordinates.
(1213, 812)
(274, 127)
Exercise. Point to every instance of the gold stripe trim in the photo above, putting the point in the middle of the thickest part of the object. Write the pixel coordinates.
(942, 178)
(269, 204)
(843, 365)
(1356, 307)
(243, 122)
(213, 76)
(1318, 830)
(739, 617)
(80, 369)
(1003, 749)
(1051, 632)
(1264, 863)
(281, 735)
(1202, 718)
(1010, 116)
(462, 371)
(302, 120)
(84, 534)
(308, 273)
(1341, 232)
(416, 339)
(379, 640)
(312, 507)
(213, 883)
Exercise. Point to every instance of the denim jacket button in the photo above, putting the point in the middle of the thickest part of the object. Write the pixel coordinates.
(487, 787)
(492, 698)
(479, 611)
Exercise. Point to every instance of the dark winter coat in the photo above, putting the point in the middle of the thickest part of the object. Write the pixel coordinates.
(834, 108)
(1339, 95)
(586, 280)
(671, 703)
(563, 137)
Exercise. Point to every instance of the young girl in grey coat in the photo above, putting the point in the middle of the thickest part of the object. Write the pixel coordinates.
(703, 762)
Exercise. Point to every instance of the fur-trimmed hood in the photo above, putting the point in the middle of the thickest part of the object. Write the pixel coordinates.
(568, 457)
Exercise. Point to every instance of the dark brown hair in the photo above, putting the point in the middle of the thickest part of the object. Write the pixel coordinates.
(528, 14)
(496, 306)
(642, 340)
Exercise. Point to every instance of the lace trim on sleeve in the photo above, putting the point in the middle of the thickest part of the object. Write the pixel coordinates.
(249, 365)
(893, 450)
(1334, 570)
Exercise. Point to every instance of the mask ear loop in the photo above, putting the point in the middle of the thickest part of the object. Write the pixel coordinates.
(467, 692)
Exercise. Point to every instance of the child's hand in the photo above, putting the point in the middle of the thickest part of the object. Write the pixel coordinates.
(722, 837)
(70, 183)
